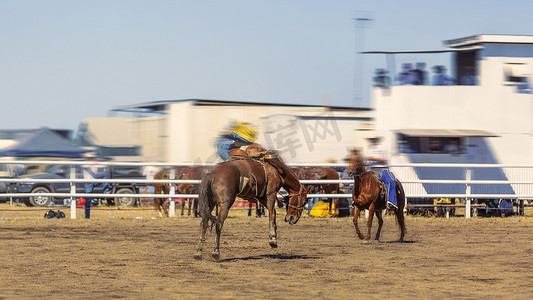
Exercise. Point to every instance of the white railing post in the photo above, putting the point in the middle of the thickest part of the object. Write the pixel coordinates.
(72, 191)
(172, 191)
(468, 208)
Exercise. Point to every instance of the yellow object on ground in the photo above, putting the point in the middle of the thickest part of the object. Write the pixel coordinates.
(320, 209)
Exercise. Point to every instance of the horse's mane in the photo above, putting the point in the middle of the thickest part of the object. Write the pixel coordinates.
(277, 162)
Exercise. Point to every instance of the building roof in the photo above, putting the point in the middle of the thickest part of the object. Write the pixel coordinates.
(160, 106)
(469, 43)
(488, 38)
(423, 51)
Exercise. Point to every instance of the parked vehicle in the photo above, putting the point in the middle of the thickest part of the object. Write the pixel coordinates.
(63, 172)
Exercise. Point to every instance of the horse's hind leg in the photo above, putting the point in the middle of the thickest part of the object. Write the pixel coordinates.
(195, 207)
(380, 223)
(371, 211)
(203, 229)
(401, 223)
(400, 197)
(356, 213)
(222, 215)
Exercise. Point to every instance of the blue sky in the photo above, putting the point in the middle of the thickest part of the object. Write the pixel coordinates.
(66, 60)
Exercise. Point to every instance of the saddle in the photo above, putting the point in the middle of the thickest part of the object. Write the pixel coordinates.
(382, 187)
(247, 183)
(237, 153)
(258, 153)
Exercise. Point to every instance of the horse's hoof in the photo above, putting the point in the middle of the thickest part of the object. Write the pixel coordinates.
(198, 256)
(366, 242)
(273, 244)
(361, 237)
(215, 255)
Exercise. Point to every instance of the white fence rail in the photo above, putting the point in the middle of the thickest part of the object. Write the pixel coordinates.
(465, 181)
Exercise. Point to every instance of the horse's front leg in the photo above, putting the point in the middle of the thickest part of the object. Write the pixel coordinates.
(158, 207)
(272, 234)
(183, 200)
(356, 212)
(162, 205)
(189, 202)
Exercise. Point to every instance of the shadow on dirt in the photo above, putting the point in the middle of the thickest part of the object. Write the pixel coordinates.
(270, 256)
(398, 242)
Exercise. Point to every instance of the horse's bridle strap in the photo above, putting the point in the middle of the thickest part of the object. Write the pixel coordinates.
(301, 203)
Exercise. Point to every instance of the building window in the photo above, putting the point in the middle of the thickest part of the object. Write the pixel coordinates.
(433, 145)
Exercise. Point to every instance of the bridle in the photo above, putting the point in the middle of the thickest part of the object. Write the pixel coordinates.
(301, 204)
(358, 170)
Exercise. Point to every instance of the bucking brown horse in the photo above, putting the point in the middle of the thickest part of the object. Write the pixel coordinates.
(249, 179)
(369, 193)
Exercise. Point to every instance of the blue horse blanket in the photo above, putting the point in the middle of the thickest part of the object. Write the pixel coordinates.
(390, 182)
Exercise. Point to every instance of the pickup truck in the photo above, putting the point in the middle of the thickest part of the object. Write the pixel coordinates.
(63, 172)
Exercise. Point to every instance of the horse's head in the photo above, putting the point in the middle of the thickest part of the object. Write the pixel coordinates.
(356, 163)
(296, 205)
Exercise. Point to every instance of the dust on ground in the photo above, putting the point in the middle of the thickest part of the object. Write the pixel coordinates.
(136, 254)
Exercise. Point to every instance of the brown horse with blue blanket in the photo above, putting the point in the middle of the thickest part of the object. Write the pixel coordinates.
(370, 193)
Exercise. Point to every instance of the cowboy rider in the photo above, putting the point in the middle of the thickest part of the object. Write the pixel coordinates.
(376, 157)
(240, 134)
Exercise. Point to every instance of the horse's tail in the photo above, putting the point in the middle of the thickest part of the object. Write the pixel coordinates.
(206, 201)
(400, 198)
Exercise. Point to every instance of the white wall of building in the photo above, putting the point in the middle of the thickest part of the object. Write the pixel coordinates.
(205, 123)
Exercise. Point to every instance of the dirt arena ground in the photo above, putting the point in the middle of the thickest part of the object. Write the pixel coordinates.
(129, 257)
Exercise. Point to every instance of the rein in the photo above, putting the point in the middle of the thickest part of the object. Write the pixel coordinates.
(301, 204)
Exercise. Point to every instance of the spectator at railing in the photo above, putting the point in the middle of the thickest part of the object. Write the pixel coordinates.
(452, 147)
(435, 146)
(91, 172)
(381, 79)
(440, 77)
(407, 76)
(420, 74)
(468, 77)
(506, 207)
